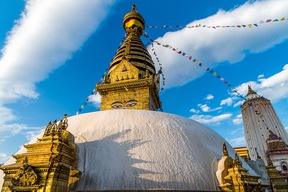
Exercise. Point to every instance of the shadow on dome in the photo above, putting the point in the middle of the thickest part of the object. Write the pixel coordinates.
(107, 164)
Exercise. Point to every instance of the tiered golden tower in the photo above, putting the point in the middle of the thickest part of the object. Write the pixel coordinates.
(131, 82)
(50, 164)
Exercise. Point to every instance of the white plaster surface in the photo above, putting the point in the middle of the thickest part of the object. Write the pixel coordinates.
(138, 149)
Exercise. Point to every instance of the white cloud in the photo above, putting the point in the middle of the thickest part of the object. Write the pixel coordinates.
(212, 46)
(206, 108)
(95, 100)
(194, 111)
(209, 97)
(3, 157)
(237, 131)
(260, 76)
(6, 115)
(7, 129)
(238, 104)
(227, 102)
(42, 40)
(238, 119)
(276, 79)
(238, 142)
(274, 87)
(45, 36)
(31, 134)
(10, 129)
(208, 119)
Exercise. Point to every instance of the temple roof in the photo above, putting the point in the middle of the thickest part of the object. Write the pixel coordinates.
(250, 91)
(251, 94)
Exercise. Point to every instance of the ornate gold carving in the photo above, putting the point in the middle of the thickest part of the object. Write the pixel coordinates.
(63, 124)
(48, 129)
(49, 157)
(124, 69)
(52, 129)
(25, 176)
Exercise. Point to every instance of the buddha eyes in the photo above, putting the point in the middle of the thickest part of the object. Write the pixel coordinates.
(128, 104)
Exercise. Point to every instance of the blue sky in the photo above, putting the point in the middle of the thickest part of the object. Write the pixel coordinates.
(54, 52)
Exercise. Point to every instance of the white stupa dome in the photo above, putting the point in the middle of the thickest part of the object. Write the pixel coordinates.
(141, 150)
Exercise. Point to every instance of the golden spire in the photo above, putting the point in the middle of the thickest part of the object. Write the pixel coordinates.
(132, 49)
(131, 82)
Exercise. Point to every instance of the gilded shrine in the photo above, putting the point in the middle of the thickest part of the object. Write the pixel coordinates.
(50, 164)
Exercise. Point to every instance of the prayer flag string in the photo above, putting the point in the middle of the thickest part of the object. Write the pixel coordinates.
(251, 25)
(160, 68)
(197, 62)
(93, 92)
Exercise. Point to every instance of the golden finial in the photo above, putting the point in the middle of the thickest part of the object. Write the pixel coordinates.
(269, 161)
(48, 129)
(133, 19)
(225, 152)
(237, 161)
(63, 123)
(54, 126)
(134, 8)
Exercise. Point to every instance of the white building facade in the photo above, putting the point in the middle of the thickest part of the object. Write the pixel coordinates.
(260, 120)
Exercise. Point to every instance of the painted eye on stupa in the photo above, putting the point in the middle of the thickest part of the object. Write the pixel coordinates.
(117, 105)
(131, 103)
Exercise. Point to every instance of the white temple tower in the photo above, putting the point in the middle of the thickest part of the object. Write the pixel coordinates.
(260, 119)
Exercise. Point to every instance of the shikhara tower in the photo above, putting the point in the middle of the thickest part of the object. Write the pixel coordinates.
(131, 82)
(260, 124)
